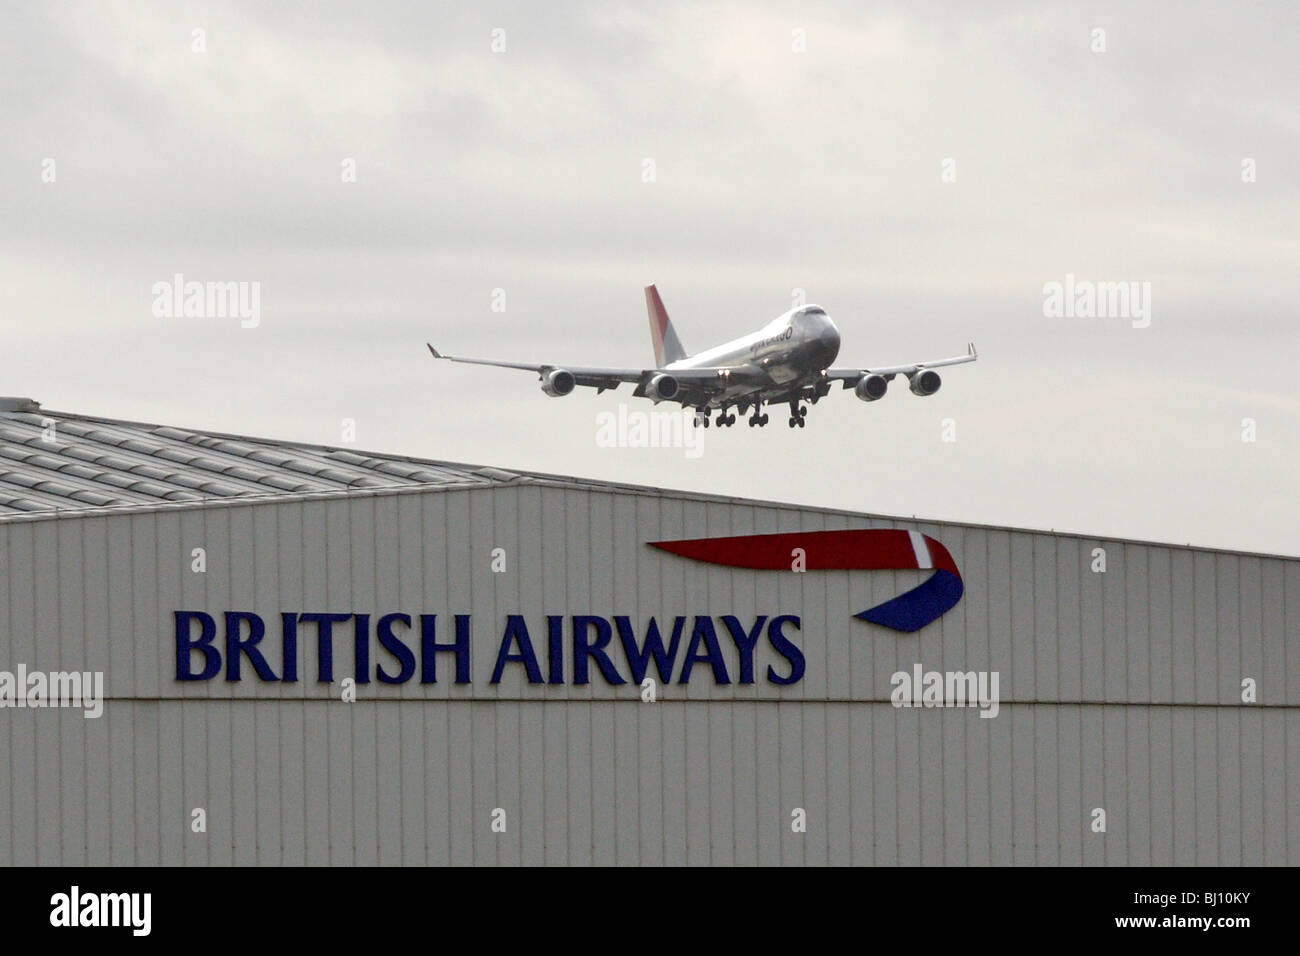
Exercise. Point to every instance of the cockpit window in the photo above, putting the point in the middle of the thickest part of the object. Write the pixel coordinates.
(814, 310)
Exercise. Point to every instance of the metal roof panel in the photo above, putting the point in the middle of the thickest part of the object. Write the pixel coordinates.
(94, 462)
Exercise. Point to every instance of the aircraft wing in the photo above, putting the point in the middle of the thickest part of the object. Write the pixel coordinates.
(601, 378)
(851, 375)
(693, 381)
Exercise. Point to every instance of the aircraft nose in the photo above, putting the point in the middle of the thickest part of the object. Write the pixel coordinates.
(829, 339)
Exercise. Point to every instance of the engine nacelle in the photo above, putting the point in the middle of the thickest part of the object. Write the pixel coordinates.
(925, 382)
(871, 387)
(558, 382)
(661, 387)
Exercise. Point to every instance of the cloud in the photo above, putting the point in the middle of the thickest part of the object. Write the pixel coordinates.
(774, 170)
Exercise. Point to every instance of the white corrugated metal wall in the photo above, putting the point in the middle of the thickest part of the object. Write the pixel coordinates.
(1120, 690)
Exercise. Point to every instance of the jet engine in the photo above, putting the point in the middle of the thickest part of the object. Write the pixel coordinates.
(558, 382)
(924, 382)
(661, 387)
(871, 387)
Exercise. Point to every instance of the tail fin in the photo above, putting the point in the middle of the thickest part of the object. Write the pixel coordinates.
(668, 347)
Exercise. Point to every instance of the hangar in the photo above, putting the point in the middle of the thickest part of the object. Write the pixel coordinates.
(318, 655)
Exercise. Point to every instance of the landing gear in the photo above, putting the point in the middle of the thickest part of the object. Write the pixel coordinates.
(797, 415)
(725, 419)
(757, 419)
(701, 418)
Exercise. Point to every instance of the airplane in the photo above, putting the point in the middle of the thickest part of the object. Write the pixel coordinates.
(786, 361)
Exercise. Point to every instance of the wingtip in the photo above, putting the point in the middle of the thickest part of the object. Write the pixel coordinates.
(434, 351)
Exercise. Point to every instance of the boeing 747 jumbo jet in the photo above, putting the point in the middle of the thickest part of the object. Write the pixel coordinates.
(788, 360)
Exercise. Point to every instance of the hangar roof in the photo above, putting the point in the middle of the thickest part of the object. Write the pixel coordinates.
(56, 461)
(86, 464)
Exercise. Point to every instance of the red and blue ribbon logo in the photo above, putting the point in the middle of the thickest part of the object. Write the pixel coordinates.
(874, 549)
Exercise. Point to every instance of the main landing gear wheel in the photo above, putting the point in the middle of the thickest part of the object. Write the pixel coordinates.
(759, 420)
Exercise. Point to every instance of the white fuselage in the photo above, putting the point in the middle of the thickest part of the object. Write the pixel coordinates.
(792, 349)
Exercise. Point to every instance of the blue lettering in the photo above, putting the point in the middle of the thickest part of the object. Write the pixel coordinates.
(289, 641)
(429, 647)
(582, 649)
(782, 645)
(555, 647)
(639, 657)
(361, 641)
(704, 631)
(591, 638)
(745, 643)
(517, 631)
(185, 646)
(324, 642)
(394, 645)
(234, 646)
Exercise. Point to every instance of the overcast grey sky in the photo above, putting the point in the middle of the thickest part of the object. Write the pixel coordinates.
(774, 170)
